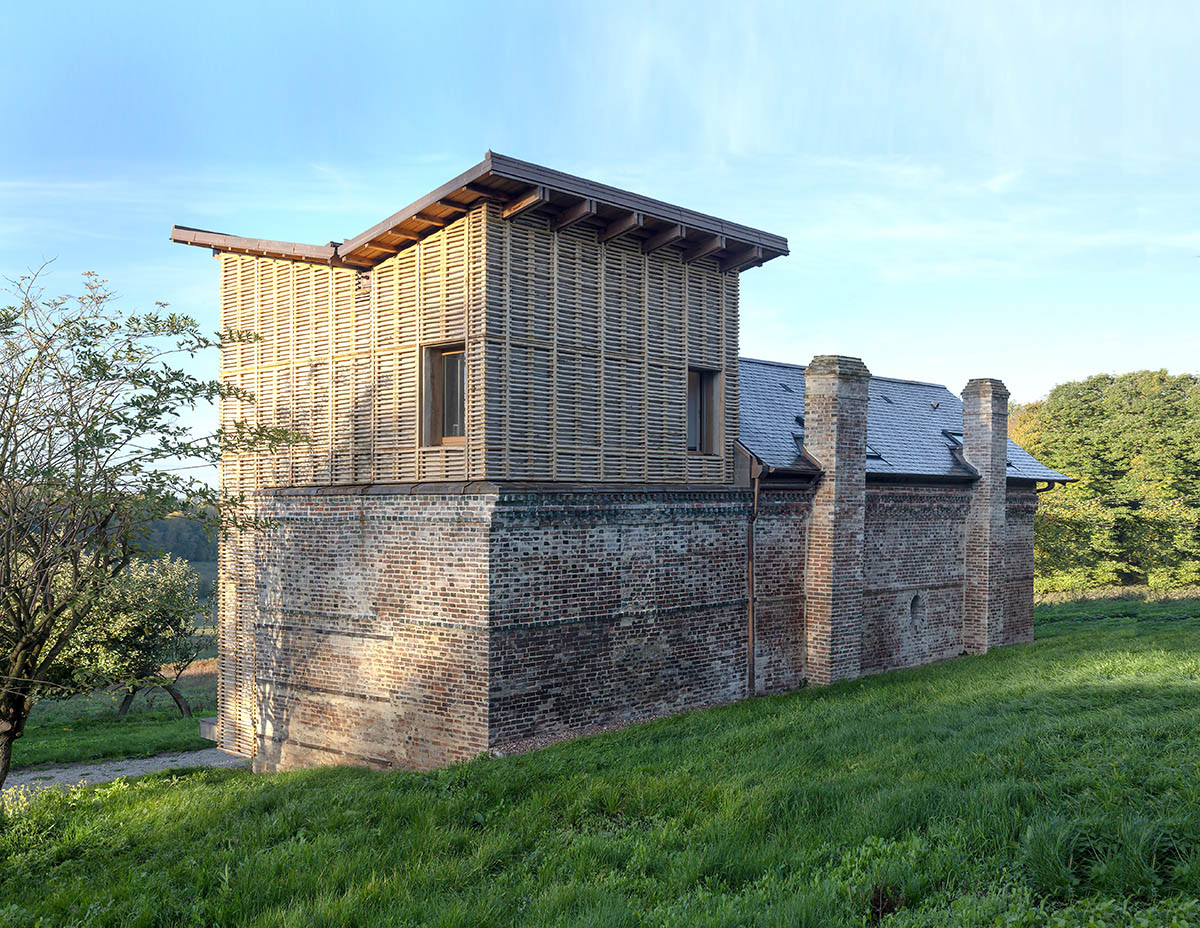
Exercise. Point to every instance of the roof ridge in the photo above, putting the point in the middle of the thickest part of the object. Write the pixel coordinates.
(923, 383)
(773, 363)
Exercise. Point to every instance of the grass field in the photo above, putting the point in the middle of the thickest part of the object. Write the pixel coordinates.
(1056, 783)
(86, 729)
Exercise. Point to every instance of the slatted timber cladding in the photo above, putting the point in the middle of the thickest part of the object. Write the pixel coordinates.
(577, 360)
(587, 350)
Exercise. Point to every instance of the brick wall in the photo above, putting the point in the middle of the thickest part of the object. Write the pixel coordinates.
(398, 628)
(371, 629)
(835, 434)
(1018, 626)
(780, 553)
(913, 575)
(614, 605)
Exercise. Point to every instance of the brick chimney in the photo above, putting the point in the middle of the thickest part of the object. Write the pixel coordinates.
(835, 435)
(985, 446)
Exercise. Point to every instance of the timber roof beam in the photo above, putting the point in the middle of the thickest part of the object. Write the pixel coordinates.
(623, 225)
(668, 236)
(704, 248)
(751, 256)
(537, 197)
(520, 187)
(584, 209)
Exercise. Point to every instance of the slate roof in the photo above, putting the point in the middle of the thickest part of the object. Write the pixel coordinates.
(907, 425)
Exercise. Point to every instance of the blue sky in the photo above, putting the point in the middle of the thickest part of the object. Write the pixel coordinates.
(969, 189)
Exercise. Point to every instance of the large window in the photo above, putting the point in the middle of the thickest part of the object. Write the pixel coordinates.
(703, 411)
(445, 395)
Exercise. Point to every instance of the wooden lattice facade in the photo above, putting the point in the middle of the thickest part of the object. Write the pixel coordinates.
(577, 359)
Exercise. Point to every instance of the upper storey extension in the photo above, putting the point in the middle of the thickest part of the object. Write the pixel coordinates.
(517, 324)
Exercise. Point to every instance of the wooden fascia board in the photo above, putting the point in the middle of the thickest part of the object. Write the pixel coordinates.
(630, 222)
(536, 197)
(260, 247)
(584, 209)
(704, 248)
(668, 236)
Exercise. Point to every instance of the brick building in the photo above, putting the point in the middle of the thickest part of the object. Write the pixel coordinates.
(542, 491)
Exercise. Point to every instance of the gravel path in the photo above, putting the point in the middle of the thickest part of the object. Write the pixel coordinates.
(35, 778)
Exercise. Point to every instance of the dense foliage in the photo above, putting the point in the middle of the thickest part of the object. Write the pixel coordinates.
(183, 537)
(140, 633)
(94, 434)
(1133, 517)
(1054, 784)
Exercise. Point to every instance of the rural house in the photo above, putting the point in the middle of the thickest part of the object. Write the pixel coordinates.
(543, 491)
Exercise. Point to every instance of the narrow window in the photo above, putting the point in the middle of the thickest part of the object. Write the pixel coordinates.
(702, 411)
(916, 611)
(445, 394)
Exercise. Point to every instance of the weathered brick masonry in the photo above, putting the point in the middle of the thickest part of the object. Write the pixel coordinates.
(371, 628)
(614, 605)
(409, 628)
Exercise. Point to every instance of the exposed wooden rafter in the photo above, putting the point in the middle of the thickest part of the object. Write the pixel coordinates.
(746, 257)
(584, 209)
(668, 236)
(704, 248)
(536, 197)
(518, 187)
(630, 222)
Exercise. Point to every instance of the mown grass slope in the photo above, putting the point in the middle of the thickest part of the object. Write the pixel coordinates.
(1055, 783)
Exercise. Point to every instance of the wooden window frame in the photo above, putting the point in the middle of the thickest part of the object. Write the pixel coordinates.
(709, 396)
(431, 391)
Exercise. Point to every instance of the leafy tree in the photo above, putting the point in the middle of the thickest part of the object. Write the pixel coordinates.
(1133, 517)
(183, 537)
(92, 452)
(140, 633)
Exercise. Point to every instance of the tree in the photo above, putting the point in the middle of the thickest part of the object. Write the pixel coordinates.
(93, 451)
(1133, 517)
(141, 633)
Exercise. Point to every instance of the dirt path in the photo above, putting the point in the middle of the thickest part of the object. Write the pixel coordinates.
(36, 778)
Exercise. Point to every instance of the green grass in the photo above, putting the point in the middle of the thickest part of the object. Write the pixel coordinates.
(85, 728)
(1055, 783)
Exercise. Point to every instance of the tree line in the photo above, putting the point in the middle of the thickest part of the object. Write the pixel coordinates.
(1132, 517)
